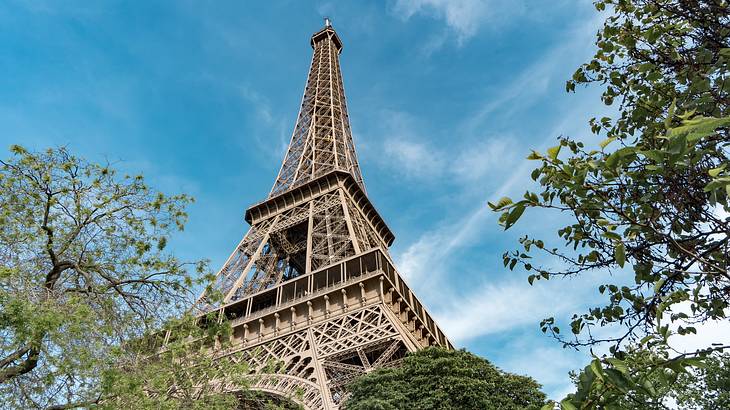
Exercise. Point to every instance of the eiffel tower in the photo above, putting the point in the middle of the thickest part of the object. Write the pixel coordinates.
(311, 286)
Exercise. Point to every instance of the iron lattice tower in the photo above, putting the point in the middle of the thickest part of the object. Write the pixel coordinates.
(311, 286)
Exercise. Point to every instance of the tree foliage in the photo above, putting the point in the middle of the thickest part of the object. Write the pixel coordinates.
(84, 278)
(698, 388)
(437, 378)
(651, 199)
(174, 368)
(707, 387)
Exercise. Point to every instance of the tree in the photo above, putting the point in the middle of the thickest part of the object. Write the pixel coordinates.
(436, 378)
(651, 385)
(707, 387)
(186, 365)
(651, 199)
(175, 368)
(84, 279)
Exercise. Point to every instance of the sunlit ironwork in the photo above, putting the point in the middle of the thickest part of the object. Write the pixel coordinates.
(311, 288)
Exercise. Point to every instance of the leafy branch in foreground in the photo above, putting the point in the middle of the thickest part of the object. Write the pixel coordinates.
(175, 368)
(83, 271)
(656, 382)
(651, 199)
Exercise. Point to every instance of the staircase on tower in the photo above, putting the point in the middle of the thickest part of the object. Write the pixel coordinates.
(311, 286)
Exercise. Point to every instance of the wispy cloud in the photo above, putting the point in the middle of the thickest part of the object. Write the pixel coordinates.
(465, 18)
(481, 159)
(414, 159)
(267, 123)
(462, 16)
(549, 365)
(498, 307)
(466, 163)
(462, 161)
(429, 256)
(540, 78)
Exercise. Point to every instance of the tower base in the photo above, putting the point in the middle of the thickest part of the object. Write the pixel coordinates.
(306, 339)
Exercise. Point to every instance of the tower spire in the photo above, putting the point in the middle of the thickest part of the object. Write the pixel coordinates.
(322, 138)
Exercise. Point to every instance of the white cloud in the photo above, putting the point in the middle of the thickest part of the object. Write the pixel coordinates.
(482, 159)
(707, 333)
(415, 159)
(549, 365)
(509, 304)
(461, 16)
(431, 253)
(402, 149)
(267, 122)
(464, 163)
(540, 78)
(465, 18)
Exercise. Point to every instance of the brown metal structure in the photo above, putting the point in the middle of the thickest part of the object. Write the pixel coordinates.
(311, 286)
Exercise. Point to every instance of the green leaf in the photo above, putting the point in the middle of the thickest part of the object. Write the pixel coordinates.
(695, 362)
(677, 144)
(596, 368)
(699, 127)
(553, 152)
(566, 404)
(514, 215)
(504, 201)
(612, 160)
(619, 365)
(534, 155)
(716, 171)
(607, 141)
(620, 254)
(670, 115)
(654, 155)
(618, 379)
(649, 387)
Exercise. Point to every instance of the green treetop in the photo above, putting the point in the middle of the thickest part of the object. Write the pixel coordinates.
(436, 378)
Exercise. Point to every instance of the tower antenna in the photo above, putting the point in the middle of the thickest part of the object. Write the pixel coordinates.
(327, 22)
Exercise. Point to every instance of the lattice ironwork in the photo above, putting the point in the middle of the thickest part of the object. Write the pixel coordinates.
(313, 294)
(353, 331)
(352, 364)
(322, 140)
(331, 354)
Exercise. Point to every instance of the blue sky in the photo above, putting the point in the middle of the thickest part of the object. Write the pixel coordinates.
(446, 98)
